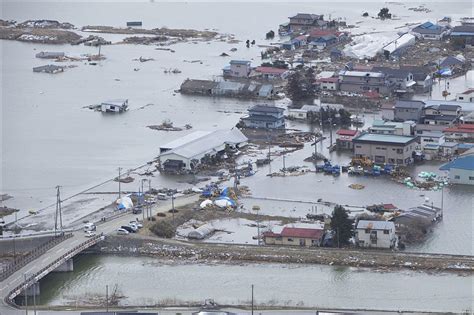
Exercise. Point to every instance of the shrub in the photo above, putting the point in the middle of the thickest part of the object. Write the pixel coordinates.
(163, 229)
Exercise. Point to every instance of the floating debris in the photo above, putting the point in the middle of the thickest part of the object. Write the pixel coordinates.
(356, 186)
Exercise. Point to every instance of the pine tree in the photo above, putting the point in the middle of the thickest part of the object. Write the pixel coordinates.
(341, 226)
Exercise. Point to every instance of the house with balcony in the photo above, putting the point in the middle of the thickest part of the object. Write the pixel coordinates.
(238, 69)
(401, 79)
(267, 117)
(375, 234)
(365, 81)
(381, 127)
(443, 114)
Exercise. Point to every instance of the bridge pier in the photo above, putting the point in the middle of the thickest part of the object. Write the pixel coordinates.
(67, 266)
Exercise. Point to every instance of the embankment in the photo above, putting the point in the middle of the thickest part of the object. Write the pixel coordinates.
(205, 252)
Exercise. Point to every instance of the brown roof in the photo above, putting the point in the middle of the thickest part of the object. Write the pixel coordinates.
(302, 232)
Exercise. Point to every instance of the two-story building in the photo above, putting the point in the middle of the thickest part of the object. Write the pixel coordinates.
(459, 133)
(238, 68)
(408, 110)
(364, 81)
(381, 149)
(464, 33)
(461, 170)
(328, 84)
(443, 114)
(305, 21)
(422, 76)
(381, 127)
(270, 73)
(375, 234)
(260, 116)
(401, 79)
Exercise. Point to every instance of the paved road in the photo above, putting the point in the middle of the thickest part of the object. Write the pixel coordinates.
(108, 227)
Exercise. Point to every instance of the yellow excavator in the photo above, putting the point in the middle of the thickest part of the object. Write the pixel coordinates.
(362, 161)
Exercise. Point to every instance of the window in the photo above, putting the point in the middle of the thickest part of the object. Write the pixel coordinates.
(290, 240)
(278, 238)
(358, 146)
(471, 177)
(367, 231)
(399, 161)
(386, 231)
(457, 177)
(400, 151)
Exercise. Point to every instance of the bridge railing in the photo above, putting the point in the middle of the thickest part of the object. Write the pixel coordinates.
(55, 264)
(32, 255)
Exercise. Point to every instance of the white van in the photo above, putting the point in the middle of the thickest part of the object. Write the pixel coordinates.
(89, 227)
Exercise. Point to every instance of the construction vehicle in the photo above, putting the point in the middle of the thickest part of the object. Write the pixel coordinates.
(362, 161)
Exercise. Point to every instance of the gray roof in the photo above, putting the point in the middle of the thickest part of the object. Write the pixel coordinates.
(441, 117)
(266, 109)
(419, 73)
(375, 225)
(396, 73)
(208, 143)
(445, 107)
(465, 106)
(462, 29)
(409, 104)
(378, 138)
(264, 118)
(450, 61)
(307, 16)
(116, 102)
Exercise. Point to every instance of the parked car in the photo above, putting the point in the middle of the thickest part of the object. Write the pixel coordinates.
(134, 227)
(89, 227)
(90, 233)
(138, 224)
(162, 196)
(127, 228)
(122, 232)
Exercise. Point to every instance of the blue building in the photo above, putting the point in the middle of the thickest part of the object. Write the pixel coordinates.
(269, 117)
(461, 170)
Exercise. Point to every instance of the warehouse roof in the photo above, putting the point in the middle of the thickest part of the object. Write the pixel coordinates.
(377, 138)
(210, 142)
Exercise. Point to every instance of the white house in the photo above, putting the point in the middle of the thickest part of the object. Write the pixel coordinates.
(461, 170)
(466, 96)
(302, 113)
(239, 68)
(188, 152)
(387, 110)
(114, 106)
(376, 234)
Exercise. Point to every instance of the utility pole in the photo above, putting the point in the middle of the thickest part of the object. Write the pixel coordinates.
(120, 190)
(269, 156)
(58, 214)
(284, 168)
(252, 299)
(107, 298)
(172, 207)
(34, 296)
(330, 131)
(26, 295)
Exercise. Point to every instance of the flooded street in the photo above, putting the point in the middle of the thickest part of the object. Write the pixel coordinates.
(310, 286)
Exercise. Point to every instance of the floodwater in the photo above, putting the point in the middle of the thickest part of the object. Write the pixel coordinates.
(49, 139)
(275, 285)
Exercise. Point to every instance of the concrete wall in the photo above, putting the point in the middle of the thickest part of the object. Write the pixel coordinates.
(21, 245)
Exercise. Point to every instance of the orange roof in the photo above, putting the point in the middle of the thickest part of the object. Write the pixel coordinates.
(466, 128)
(270, 70)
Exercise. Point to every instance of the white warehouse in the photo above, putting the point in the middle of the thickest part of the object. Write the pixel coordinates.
(186, 153)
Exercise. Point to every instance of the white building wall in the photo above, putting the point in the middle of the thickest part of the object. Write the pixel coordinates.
(459, 176)
(383, 240)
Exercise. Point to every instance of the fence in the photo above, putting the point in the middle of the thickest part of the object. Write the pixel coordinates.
(45, 270)
(32, 255)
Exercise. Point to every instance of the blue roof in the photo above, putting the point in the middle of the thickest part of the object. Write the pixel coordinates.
(463, 163)
(240, 62)
(430, 26)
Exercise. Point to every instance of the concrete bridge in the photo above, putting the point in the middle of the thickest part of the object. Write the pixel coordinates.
(57, 253)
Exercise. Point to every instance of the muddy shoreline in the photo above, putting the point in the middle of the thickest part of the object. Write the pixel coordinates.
(382, 261)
